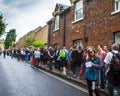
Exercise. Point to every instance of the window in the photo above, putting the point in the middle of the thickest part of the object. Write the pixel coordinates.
(55, 46)
(57, 22)
(78, 43)
(117, 37)
(116, 5)
(78, 10)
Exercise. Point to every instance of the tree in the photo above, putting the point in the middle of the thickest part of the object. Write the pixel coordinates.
(39, 44)
(10, 38)
(29, 41)
(2, 25)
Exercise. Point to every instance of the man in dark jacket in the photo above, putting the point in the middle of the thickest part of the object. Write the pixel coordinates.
(51, 55)
(75, 60)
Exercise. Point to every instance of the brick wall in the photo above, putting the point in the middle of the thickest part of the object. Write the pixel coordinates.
(39, 34)
(98, 25)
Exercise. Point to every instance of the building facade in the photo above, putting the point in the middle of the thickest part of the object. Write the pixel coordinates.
(39, 34)
(1, 44)
(85, 22)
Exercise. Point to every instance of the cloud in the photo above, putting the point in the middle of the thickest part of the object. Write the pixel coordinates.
(26, 15)
(19, 3)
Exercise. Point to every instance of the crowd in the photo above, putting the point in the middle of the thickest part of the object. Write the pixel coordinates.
(94, 63)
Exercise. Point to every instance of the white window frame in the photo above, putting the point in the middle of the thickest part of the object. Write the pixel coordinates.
(78, 43)
(116, 7)
(56, 22)
(56, 45)
(117, 37)
(78, 13)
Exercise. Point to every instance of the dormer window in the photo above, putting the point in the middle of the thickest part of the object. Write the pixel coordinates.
(56, 22)
(78, 15)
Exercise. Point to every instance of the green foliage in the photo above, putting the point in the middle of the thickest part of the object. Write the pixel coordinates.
(29, 41)
(2, 25)
(10, 38)
(13, 44)
(39, 44)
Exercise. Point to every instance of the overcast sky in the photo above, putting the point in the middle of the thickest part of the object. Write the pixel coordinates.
(27, 15)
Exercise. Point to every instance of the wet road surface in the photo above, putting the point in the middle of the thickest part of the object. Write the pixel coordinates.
(17, 78)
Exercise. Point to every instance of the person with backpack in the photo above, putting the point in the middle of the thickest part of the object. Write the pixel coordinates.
(64, 56)
(75, 60)
(112, 61)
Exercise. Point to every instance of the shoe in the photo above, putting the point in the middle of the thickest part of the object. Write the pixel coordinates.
(78, 77)
(64, 73)
(74, 76)
(115, 92)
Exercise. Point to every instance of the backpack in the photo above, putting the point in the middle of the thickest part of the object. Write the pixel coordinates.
(115, 62)
(75, 56)
(62, 54)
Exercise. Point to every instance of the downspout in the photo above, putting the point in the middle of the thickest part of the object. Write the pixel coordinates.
(49, 32)
(49, 29)
(64, 35)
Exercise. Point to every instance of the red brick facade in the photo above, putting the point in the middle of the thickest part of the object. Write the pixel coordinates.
(98, 25)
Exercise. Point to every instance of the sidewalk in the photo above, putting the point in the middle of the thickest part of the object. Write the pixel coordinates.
(81, 81)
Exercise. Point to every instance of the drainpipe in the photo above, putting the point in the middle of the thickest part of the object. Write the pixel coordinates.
(64, 32)
(49, 32)
(49, 29)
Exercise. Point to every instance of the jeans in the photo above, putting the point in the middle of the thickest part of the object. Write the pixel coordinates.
(102, 79)
(113, 81)
(89, 83)
(37, 62)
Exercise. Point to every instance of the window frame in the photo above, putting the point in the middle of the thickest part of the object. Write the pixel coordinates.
(116, 7)
(78, 12)
(117, 37)
(56, 45)
(78, 43)
(57, 22)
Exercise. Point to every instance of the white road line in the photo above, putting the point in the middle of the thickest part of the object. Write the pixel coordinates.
(75, 86)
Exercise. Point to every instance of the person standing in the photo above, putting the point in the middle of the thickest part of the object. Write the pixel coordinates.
(4, 53)
(102, 54)
(112, 74)
(51, 55)
(57, 59)
(45, 57)
(75, 60)
(64, 56)
(105, 48)
(70, 59)
(37, 57)
(93, 65)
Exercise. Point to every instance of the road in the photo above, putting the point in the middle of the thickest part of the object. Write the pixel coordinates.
(18, 78)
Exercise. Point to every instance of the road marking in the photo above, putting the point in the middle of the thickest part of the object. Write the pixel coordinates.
(66, 82)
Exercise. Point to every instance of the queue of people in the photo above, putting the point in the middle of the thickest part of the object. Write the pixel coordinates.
(92, 63)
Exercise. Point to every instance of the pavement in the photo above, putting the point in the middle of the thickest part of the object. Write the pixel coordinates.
(69, 76)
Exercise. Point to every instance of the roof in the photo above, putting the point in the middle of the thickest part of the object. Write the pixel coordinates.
(62, 6)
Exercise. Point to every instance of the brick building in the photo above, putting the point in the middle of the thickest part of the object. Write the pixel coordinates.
(20, 43)
(39, 34)
(1, 44)
(85, 22)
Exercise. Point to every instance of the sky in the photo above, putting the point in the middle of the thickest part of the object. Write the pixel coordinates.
(27, 15)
